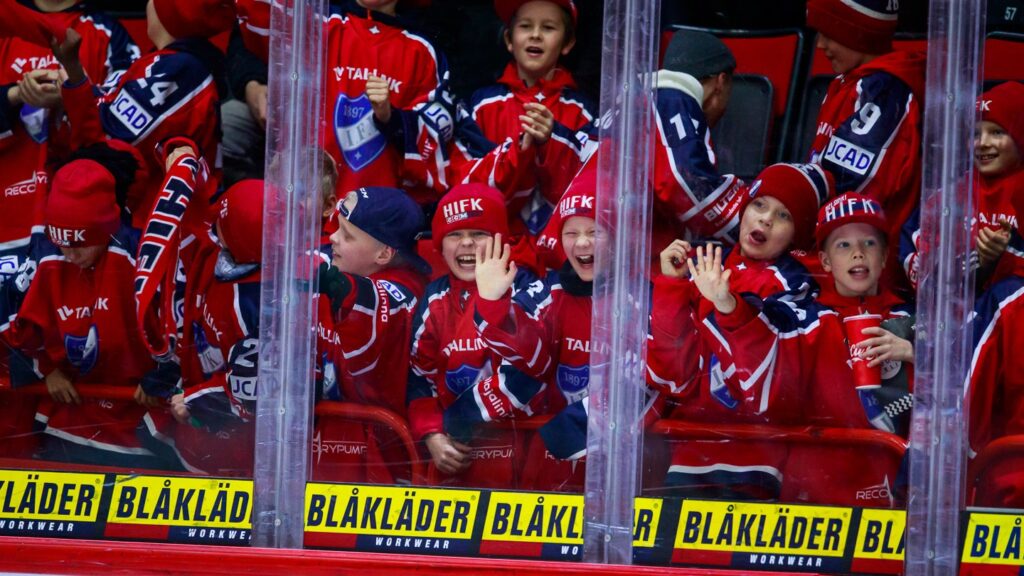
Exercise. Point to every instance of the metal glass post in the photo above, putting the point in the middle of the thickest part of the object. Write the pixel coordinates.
(621, 286)
(291, 231)
(946, 287)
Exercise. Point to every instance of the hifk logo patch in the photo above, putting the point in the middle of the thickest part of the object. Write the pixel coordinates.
(461, 379)
(329, 386)
(358, 138)
(83, 351)
(573, 381)
(210, 357)
(718, 389)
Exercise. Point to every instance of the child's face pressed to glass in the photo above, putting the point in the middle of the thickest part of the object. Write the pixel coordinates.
(855, 255)
(459, 247)
(537, 38)
(766, 229)
(995, 152)
(579, 241)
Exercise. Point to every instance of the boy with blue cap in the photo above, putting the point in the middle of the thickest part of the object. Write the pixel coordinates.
(368, 294)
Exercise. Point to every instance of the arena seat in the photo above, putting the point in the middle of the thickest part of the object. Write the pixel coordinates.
(806, 126)
(742, 136)
(884, 449)
(1004, 52)
(996, 469)
(369, 415)
(778, 55)
(379, 417)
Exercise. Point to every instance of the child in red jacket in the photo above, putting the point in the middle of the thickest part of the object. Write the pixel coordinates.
(803, 357)
(78, 318)
(691, 362)
(364, 323)
(450, 360)
(544, 332)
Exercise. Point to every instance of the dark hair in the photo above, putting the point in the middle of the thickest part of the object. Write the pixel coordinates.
(121, 163)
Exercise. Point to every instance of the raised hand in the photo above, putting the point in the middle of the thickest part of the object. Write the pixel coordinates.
(711, 279)
(67, 54)
(673, 259)
(377, 92)
(495, 272)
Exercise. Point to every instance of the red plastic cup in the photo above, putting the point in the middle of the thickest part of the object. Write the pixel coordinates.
(863, 375)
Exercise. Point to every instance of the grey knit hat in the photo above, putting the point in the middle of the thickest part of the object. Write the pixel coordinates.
(698, 54)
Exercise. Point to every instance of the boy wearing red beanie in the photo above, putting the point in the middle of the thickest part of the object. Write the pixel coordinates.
(78, 318)
(544, 332)
(994, 401)
(998, 177)
(214, 408)
(170, 92)
(451, 363)
(816, 356)
(869, 124)
(521, 137)
(686, 357)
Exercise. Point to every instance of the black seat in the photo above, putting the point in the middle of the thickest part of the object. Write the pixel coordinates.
(741, 137)
(807, 119)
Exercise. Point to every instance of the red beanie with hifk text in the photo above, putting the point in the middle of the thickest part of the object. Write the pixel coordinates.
(81, 208)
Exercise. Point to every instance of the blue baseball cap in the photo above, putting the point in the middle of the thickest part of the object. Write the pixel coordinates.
(390, 216)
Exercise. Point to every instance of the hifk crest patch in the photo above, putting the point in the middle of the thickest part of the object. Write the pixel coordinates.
(210, 357)
(573, 381)
(329, 386)
(83, 351)
(357, 135)
(461, 379)
(718, 389)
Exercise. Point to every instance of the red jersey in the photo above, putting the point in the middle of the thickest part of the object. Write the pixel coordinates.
(869, 135)
(106, 52)
(455, 379)
(219, 363)
(995, 403)
(686, 360)
(544, 176)
(794, 360)
(82, 321)
(167, 93)
(362, 43)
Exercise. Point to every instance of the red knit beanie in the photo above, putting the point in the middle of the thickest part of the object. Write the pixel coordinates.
(81, 208)
(578, 199)
(470, 207)
(241, 221)
(849, 208)
(506, 9)
(864, 25)
(802, 189)
(203, 18)
(1004, 105)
